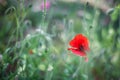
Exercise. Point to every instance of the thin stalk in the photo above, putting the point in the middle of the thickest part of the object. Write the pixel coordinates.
(78, 68)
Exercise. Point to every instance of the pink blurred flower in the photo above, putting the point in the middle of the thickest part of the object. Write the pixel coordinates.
(47, 5)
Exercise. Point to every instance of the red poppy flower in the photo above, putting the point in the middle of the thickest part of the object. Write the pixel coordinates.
(79, 45)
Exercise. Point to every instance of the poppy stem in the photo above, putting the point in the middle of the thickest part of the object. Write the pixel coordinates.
(78, 68)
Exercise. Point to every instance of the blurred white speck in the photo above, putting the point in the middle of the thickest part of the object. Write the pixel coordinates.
(0, 57)
(24, 56)
(48, 38)
(42, 67)
(28, 23)
(34, 50)
(22, 68)
(18, 44)
(43, 47)
(40, 31)
(39, 53)
(111, 31)
(28, 36)
(109, 10)
(71, 21)
(85, 76)
(50, 67)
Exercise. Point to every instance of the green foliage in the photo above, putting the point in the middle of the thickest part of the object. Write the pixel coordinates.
(116, 12)
(33, 44)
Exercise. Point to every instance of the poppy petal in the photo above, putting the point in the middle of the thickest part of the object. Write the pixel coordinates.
(77, 52)
(74, 43)
(79, 40)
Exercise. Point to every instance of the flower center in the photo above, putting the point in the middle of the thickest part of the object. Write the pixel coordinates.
(81, 48)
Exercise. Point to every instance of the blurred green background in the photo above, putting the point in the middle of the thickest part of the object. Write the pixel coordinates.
(35, 35)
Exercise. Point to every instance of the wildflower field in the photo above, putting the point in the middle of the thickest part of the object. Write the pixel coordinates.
(59, 39)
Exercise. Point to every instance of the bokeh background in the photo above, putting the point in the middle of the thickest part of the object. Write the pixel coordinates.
(35, 35)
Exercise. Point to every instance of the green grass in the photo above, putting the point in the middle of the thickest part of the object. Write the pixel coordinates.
(34, 45)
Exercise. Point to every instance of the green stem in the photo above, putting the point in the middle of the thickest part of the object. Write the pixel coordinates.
(78, 68)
